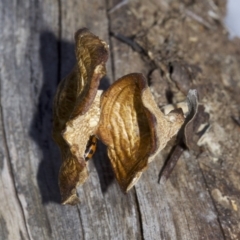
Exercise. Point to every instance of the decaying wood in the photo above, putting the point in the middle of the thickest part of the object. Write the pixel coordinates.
(200, 200)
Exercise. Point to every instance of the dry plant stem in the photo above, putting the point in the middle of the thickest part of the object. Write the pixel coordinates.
(197, 18)
(171, 163)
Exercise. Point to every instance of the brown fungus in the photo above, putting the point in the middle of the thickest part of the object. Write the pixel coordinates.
(133, 127)
(125, 117)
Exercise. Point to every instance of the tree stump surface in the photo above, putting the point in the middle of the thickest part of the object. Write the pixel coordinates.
(201, 199)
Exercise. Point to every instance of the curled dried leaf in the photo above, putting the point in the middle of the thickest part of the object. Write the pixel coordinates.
(197, 117)
(189, 133)
(76, 111)
(133, 127)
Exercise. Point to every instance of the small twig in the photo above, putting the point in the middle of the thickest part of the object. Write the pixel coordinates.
(119, 5)
(170, 164)
(136, 47)
(192, 122)
(197, 18)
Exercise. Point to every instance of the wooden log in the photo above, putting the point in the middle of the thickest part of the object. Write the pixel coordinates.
(201, 198)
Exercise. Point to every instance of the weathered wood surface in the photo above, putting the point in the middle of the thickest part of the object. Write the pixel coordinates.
(200, 200)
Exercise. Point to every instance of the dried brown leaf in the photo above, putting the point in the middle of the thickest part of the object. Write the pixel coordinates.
(197, 117)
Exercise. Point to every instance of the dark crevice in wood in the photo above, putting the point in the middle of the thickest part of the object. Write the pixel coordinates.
(111, 52)
(9, 165)
(213, 203)
(80, 219)
(59, 45)
(112, 58)
(139, 214)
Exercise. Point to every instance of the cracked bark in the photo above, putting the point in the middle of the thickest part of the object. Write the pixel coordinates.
(201, 198)
(140, 215)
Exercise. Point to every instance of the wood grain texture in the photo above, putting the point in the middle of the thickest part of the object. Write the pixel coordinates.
(201, 198)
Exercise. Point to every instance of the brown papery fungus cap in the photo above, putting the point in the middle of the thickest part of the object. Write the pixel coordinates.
(77, 110)
(133, 127)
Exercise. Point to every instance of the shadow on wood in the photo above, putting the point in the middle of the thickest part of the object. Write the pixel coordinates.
(54, 64)
(103, 167)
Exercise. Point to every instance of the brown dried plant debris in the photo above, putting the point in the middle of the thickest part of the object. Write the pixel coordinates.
(125, 117)
(196, 123)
